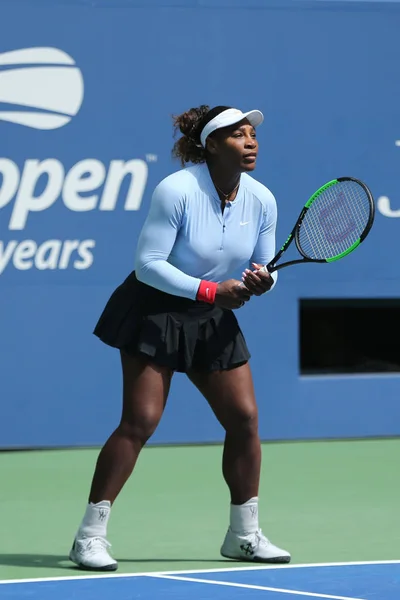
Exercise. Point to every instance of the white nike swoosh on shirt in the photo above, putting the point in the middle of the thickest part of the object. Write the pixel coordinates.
(244, 223)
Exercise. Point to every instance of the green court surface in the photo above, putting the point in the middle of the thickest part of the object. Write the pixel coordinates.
(323, 501)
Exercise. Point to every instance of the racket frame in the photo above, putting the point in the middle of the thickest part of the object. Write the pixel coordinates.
(294, 235)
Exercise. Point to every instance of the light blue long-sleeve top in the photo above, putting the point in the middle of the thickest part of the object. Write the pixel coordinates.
(186, 237)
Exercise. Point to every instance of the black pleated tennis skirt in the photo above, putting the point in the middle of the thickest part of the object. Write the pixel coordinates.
(175, 332)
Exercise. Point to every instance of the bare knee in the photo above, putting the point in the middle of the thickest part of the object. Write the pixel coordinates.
(243, 423)
(145, 392)
(140, 426)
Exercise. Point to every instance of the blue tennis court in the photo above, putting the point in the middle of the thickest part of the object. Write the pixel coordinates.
(352, 581)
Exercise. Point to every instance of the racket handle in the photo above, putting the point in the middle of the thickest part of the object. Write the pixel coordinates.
(266, 270)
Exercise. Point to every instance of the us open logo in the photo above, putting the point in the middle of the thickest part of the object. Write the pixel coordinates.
(41, 88)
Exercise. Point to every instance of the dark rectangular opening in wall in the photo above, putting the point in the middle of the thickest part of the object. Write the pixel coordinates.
(345, 336)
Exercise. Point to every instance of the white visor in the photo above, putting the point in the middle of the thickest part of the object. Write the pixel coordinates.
(230, 117)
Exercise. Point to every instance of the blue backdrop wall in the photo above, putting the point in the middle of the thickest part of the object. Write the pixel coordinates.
(87, 90)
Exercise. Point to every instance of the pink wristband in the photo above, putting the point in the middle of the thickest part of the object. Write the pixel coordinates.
(207, 291)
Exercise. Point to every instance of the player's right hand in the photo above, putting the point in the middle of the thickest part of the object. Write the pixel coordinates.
(231, 294)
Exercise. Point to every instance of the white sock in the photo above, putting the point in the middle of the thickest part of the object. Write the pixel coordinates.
(94, 523)
(244, 517)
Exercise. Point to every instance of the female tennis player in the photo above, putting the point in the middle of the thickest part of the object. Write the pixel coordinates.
(174, 312)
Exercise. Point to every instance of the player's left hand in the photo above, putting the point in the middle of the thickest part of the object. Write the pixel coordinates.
(258, 281)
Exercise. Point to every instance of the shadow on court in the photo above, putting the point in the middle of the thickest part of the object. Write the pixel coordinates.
(56, 561)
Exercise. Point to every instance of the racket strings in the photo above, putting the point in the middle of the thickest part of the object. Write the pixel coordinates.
(334, 221)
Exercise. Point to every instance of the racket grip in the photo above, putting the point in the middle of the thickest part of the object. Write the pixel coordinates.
(266, 270)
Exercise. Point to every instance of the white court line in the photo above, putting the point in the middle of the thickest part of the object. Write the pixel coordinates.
(254, 587)
(197, 571)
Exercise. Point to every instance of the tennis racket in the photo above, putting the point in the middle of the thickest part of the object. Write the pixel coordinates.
(333, 223)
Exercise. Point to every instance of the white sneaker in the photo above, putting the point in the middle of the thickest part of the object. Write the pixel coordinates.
(253, 547)
(91, 554)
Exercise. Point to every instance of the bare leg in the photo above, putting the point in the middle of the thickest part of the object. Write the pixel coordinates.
(231, 396)
(145, 391)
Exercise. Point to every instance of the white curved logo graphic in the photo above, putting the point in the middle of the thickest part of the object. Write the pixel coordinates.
(40, 87)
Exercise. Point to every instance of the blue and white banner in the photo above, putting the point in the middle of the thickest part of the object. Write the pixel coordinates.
(87, 94)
